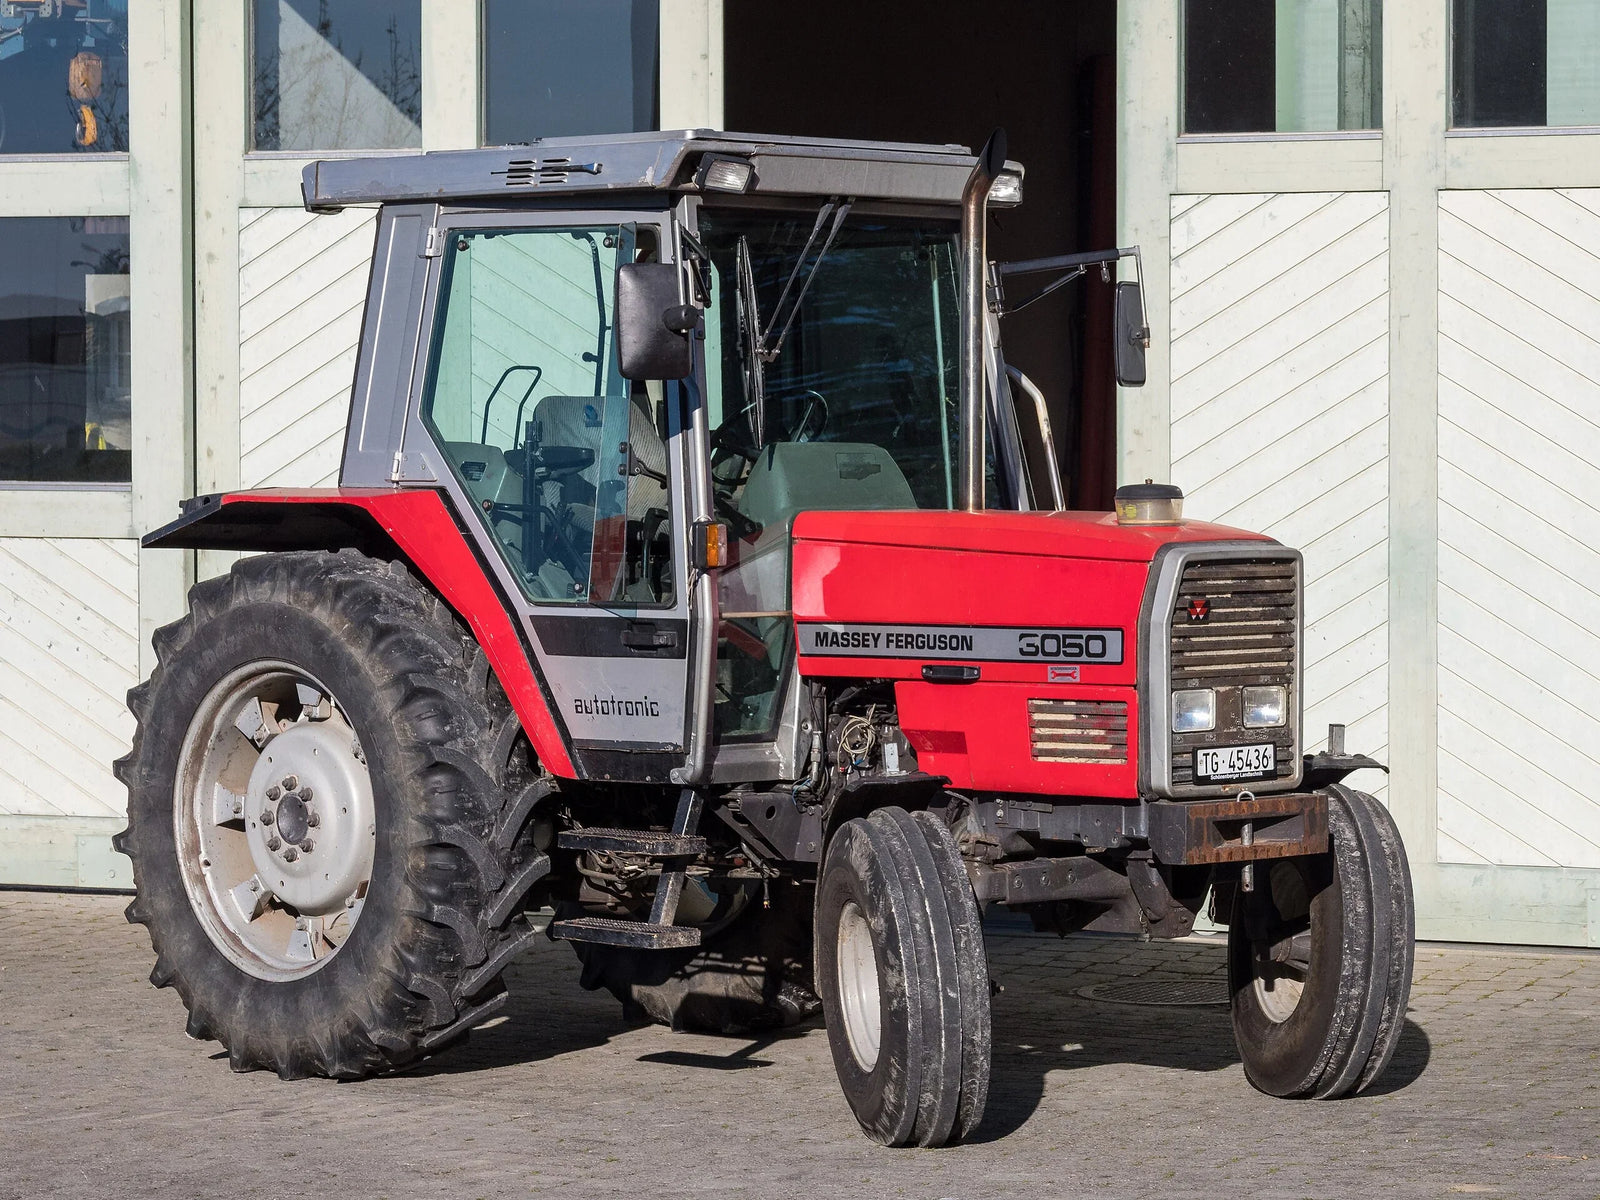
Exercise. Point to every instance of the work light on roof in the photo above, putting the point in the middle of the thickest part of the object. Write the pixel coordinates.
(725, 173)
(1006, 189)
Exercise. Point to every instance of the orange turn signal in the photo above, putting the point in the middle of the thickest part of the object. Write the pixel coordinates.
(710, 545)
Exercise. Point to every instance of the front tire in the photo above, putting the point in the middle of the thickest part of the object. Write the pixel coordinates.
(327, 846)
(903, 979)
(1320, 957)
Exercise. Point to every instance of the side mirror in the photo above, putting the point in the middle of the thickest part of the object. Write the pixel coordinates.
(653, 323)
(1130, 336)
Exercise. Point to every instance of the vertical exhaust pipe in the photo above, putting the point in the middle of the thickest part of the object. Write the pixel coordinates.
(974, 306)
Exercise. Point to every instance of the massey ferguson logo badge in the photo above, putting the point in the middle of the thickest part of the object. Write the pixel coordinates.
(1199, 608)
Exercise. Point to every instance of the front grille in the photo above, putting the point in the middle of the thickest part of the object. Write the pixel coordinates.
(1235, 624)
(1079, 731)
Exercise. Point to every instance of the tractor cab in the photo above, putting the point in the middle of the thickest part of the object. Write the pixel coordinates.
(618, 351)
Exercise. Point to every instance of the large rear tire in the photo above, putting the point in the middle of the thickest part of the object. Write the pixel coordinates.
(903, 979)
(328, 827)
(1320, 957)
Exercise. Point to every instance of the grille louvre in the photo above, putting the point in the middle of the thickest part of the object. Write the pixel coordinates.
(1079, 731)
(532, 172)
(1234, 624)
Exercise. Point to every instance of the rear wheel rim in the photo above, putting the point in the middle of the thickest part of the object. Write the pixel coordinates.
(274, 820)
(860, 999)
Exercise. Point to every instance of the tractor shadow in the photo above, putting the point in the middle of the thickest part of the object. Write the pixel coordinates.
(1036, 1033)
(547, 1015)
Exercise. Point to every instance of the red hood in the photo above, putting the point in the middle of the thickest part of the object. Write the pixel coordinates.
(1048, 535)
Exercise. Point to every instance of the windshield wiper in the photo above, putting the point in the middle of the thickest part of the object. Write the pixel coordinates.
(759, 348)
(751, 338)
(839, 211)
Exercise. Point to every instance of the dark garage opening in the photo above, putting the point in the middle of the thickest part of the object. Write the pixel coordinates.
(947, 71)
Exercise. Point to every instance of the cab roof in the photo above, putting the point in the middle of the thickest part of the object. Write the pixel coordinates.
(642, 162)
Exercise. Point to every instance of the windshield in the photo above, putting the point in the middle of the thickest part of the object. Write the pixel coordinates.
(866, 375)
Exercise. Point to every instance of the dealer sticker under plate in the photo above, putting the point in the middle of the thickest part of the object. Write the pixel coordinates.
(1230, 764)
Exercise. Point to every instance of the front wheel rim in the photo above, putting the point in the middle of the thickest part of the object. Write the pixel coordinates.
(860, 999)
(275, 821)
(1282, 965)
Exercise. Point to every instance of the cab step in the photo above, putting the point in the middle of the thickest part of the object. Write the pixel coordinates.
(649, 842)
(634, 935)
(658, 933)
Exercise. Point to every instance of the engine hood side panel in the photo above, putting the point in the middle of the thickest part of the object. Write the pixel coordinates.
(866, 588)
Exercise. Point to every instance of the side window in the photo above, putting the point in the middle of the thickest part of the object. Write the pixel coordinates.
(563, 458)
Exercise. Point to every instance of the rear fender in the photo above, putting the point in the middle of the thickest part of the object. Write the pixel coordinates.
(415, 526)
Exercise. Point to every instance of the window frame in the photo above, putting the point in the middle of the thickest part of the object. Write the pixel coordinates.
(1366, 133)
(425, 98)
(1452, 129)
(435, 463)
(480, 82)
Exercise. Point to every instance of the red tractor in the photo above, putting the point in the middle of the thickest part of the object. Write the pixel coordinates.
(686, 577)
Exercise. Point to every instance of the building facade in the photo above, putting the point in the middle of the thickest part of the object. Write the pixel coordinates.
(1369, 253)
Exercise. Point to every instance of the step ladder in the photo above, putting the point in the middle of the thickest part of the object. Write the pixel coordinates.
(675, 850)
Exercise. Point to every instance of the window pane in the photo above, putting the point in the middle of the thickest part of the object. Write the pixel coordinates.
(63, 77)
(1282, 66)
(1572, 94)
(64, 413)
(865, 392)
(338, 74)
(1525, 62)
(555, 68)
(563, 457)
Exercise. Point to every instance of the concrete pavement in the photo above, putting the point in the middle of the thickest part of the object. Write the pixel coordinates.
(1495, 1090)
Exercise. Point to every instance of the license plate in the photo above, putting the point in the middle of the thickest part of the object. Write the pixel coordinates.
(1229, 764)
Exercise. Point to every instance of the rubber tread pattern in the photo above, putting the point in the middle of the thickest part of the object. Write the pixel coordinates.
(966, 921)
(939, 969)
(930, 1081)
(463, 874)
(1366, 1012)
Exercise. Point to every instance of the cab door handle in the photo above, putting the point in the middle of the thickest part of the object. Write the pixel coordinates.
(646, 637)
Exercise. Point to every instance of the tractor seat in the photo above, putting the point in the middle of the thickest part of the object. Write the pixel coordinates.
(792, 477)
(576, 422)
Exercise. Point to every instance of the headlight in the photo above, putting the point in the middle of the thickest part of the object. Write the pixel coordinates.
(1194, 710)
(1264, 706)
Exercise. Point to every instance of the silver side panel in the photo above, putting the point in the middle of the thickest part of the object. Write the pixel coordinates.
(389, 337)
(759, 762)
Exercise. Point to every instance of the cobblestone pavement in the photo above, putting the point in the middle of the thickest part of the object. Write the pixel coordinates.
(1495, 1091)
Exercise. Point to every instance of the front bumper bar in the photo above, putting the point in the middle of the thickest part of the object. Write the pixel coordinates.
(1194, 832)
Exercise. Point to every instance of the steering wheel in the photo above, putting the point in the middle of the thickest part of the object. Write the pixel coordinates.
(729, 444)
(816, 412)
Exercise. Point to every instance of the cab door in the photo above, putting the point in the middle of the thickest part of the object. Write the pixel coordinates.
(569, 477)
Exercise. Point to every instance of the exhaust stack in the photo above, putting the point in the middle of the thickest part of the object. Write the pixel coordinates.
(974, 261)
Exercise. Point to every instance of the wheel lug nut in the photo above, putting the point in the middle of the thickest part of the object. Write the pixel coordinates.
(273, 793)
(290, 854)
(290, 782)
(266, 816)
(306, 845)
(313, 820)
(273, 842)
(305, 793)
